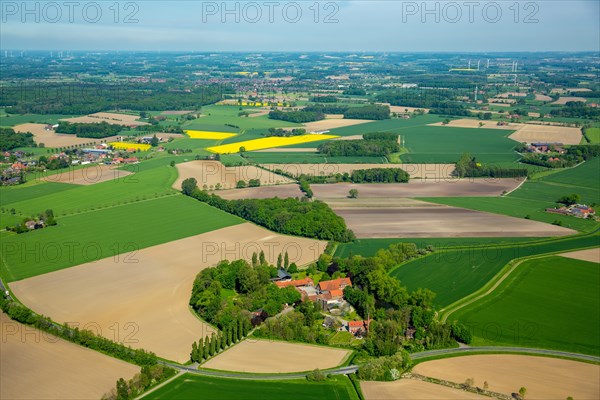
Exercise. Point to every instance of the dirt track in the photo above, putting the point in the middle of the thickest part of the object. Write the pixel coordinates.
(36, 365)
(141, 298)
(544, 378)
(268, 356)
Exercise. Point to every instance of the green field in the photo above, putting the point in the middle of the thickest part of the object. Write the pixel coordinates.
(534, 196)
(593, 135)
(216, 116)
(16, 119)
(455, 273)
(550, 302)
(309, 158)
(368, 247)
(199, 387)
(90, 236)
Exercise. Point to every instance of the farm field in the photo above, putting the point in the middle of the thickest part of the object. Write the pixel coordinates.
(387, 125)
(208, 135)
(36, 365)
(531, 133)
(544, 378)
(88, 175)
(474, 123)
(410, 389)
(51, 139)
(266, 143)
(127, 146)
(110, 118)
(562, 100)
(310, 157)
(94, 235)
(211, 173)
(189, 387)
(534, 196)
(263, 192)
(593, 134)
(424, 171)
(591, 255)
(332, 123)
(155, 283)
(17, 119)
(215, 118)
(455, 273)
(524, 308)
(269, 356)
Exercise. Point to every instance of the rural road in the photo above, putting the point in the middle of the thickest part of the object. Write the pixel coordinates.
(415, 356)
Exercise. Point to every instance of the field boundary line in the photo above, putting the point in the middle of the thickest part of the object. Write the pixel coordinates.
(518, 186)
(177, 375)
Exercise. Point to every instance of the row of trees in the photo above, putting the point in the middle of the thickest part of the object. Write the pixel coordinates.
(90, 130)
(370, 175)
(299, 117)
(148, 377)
(359, 147)
(290, 216)
(576, 109)
(9, 139)
(278, 132)
(467, 166)
(371, 111)
(242, 184)
(330, 108)
(207, 347)
(84, 338)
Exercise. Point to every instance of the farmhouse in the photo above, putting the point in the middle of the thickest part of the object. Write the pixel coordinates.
(336, 284)
(575, 210)
(297, 283)
(358, 328)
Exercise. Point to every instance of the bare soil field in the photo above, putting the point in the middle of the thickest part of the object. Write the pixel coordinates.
(141, 298)
(591, 255)
(373, 222)
(572, 90)
(36, 365)
(403, 109)
(268, 356)
(511, 94)
(259, 113)
(88, 175)
(410, 389)
(211, 173)
(262, 192)
(175, 112)
(544, 378)
(474, 123)
(353, 137)
(52, 139)
(454, 187)
(564, 100)
(531, 133)
(327, 124)
(424, 171)
(111, 118)
(542, 97)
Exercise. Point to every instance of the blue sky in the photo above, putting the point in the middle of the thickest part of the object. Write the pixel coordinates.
(403, 26)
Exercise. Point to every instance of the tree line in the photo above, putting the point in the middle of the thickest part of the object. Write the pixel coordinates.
(278, 132)
(9, 139)
(148, 377)
(90, 130)
(359, 147)
(289, 216)
(299, 117)
(468, 167)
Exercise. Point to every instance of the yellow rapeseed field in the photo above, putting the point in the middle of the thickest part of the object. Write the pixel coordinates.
(209, 135)
(126, 146)
(267, 143)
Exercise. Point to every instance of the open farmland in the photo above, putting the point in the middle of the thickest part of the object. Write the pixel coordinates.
(211, 173)
(332, 123)
(127, 146)
(544, 378)
(37, 365)
(410, 389)
(155, 285)
(268, 356)
(591, 255)
(428, 171)
(524, 308)
(110, 118)
(562, 100)
(531, 133)
(593, 135)
(52, 139)
(193, 387)
(454, 273)
(266, 143)
(208, 135)
(474, 123)
(88, 175)
(263, 192)
(308, 156)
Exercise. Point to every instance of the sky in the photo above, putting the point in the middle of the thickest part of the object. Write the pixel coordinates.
(275, 25)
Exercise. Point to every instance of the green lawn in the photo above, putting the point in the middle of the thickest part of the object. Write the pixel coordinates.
(103, 233)
(455, 273)
(550, 302)
(199, 387)
(534, 196)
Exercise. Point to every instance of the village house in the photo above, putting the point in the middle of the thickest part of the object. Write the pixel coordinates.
(358, 328)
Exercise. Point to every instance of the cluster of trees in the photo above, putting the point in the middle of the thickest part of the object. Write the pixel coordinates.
(330, 108)
(53, 163)
(290, 216)
(385, 368)
(324, 99)
(90, 130)
(354, 91)
(576, 109)
(252, 288)
(242, 184)
(45, 218)
(284, 132)
(569, 199)
(301, 325)
(380, 136)
(299, 117)
(305, 188)
(450, 109)
(9, 139)
(370, 175)
(371, 111)
(207, 347)
(468, 167)
(84, 338)
(148, 377)
(572, 156)
(359, 147)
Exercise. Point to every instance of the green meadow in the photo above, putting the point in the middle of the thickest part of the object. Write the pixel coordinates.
(549, 302)
(189, 386)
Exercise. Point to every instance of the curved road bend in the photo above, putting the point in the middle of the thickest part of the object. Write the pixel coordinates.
(415, 356)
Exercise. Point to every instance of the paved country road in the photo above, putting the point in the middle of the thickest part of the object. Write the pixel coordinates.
(415, 356)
